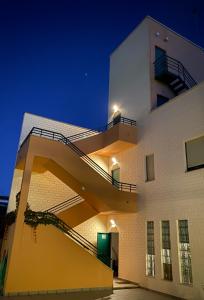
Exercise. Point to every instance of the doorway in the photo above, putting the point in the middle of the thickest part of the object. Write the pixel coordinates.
(159, 52)
(108, 249)
(115, 175)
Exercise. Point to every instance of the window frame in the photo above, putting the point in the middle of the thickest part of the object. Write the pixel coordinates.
(153, 256)
(170, 251)
(179, 253)
(146, 176)
(189, 169)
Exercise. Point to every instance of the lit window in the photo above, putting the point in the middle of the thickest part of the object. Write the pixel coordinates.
(150, 167)
(184, 253)
(166, 251)
(150, 257)
(195, 154)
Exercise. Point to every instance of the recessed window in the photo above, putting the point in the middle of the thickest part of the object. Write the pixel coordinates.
(161, 100)
(166, 251)
(150, 256)
(150, 167)
(184, 253)
(195, 153)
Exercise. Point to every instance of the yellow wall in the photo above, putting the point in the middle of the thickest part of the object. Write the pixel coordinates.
(54, 262)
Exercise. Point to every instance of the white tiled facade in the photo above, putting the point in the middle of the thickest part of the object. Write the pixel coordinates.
(175, 194)
(30, 121)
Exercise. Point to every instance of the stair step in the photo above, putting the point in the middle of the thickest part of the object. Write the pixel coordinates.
(175, 81)
(181, 88)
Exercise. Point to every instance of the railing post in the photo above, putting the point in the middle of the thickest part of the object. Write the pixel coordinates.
(184, 79)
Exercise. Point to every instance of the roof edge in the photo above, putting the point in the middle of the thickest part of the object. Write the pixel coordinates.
(161, 24)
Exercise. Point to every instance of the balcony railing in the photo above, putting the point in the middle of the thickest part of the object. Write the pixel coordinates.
(91, 132)
(166, 65)
(56, 136)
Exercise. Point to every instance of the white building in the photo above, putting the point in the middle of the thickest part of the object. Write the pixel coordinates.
(157, 80)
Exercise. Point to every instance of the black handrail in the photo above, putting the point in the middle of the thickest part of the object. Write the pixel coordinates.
(91, 132)
(65, 204)
(122, 186)
(167, 64)
(35, 218)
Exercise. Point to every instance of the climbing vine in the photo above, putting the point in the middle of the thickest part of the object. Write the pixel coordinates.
(35, 218)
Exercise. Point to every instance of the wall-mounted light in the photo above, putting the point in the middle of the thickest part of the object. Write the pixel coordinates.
(114, 160)
(115, 108)
(157, 33)
(166, 39)
(112, 223)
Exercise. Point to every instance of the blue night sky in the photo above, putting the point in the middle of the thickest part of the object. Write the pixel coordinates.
(54, 58)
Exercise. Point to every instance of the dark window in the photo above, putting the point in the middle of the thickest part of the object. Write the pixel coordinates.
(185, 253)
(195, 154)
(150, 167)
(161, 100)
(166, 251)
(150, 257)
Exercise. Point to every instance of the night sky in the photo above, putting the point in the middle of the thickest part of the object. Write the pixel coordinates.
(54, 58)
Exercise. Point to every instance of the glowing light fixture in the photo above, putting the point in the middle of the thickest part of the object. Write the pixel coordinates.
(115, 108)
(114, 160)
(112, 223)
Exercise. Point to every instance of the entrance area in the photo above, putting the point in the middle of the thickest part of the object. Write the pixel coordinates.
(108, 249)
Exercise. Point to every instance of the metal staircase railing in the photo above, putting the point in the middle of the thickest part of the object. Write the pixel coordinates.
(166, 64)
(65, 204)
(91, 132)
(45, 218)
(122, 186)
(35, 218)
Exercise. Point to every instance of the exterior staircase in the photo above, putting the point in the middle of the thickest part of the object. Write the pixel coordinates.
(73, 167)
(170, 71)
(70, 211)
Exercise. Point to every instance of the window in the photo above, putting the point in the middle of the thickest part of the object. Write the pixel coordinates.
(184, 253)
(150, 167)
(195, 154)
(150, 257)
(161, 100)
(166, 251)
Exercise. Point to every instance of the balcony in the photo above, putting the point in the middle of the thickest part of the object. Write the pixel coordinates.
(170, 71)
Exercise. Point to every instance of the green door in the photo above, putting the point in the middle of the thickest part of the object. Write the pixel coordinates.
(104, 247)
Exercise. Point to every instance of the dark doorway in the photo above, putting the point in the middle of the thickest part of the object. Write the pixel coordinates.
(108, 249)
(159, 52)
(115, 175)
(115, 252)
(117, 118)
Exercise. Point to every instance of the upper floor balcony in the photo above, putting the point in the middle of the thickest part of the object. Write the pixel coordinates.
(172, 72)
(119, 135)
